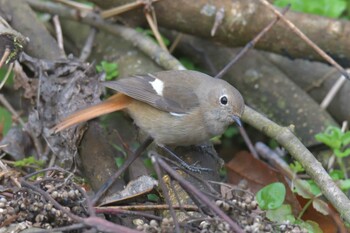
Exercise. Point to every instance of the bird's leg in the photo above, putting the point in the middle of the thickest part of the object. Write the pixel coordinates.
(183, 163)
(209, 149)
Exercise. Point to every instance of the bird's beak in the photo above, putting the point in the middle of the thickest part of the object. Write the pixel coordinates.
(237, 120)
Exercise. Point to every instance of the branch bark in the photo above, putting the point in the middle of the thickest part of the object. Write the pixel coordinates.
(246, 18)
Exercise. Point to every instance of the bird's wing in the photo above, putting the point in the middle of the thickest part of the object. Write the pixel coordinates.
(167, 95)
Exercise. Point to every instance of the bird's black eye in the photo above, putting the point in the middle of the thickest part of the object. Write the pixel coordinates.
(223, 100)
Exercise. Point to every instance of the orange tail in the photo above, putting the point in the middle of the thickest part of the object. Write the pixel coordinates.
(114, 103)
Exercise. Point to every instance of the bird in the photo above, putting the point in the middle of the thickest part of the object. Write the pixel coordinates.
(175, 108)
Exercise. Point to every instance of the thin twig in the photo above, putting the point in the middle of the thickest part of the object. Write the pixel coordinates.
(344, 126)
(250, 45)
(116, 210)
(248, 142)
(219, 17)
(4, 57)
(58, 29)
(124, 8)
(120, 9)
(175, 42)
(194, 191)
(333, 91)
(45, 170)
(9, 107)
(86, 51)
(165, 193)
(148, 207)
(307, 40)
(148, 9)
(155, 30)
(7, 75)
(69, 228)
(320, 81)
(76, 5)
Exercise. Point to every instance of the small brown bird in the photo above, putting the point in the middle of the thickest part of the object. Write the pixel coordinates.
(174, 107)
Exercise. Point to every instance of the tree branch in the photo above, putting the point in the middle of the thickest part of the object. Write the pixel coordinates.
(312, 166)
(246, 18)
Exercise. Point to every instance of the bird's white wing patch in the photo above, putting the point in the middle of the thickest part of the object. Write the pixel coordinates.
(158, 86)
(177, 114)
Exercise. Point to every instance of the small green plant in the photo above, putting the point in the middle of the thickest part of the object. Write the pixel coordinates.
(296, 167)
(5, 121)
(110, 68)
(308, 189)
(271, 196)
(153, 197)
(231, 131)
(119, 161)
(29, 161)
(329, 8)
(120, 149)
(188, 63)
(336, 140)
(271, 199)
(3, 72)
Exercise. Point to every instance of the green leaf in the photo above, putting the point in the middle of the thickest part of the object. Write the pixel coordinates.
(315, 190)
(336, 174)
(303, 188)
(223, 172)
(231, 131)
(110, 68)
(332, 137)
(166, 41)
(148, 163)
(281, 214)
(153, 197)
(329, 8)
(306, 188)
(342, 154)
(5, 120)
(119, 161)
(309, 225)
(186, 62)
(120, 149)
(346, 138)
(9, 81)
(344, 184)
(296, 167)
(273, 144)
(29, 161)
(88, 3)
(271, 196)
